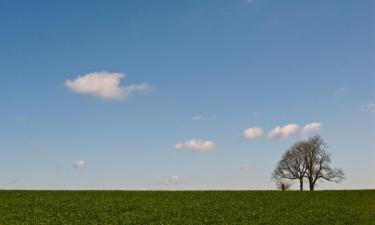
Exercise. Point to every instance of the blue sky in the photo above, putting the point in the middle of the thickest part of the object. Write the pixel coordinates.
(153, 94)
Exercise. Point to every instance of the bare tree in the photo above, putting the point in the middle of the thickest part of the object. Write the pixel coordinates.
(308, 159)
(292, 165)
(283, 185)
(318, 161)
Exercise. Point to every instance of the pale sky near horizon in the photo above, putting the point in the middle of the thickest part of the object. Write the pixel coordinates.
(162, 94)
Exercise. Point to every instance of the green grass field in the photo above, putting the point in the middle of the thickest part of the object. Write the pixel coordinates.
(212, 207)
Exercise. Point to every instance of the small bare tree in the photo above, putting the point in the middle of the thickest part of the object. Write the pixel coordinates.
(292, 165)
(283, 185)
(318, 162)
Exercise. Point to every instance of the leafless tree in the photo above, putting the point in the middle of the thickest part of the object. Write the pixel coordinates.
(307, 160)
(283, 185)
(292, 165)
(318, 161)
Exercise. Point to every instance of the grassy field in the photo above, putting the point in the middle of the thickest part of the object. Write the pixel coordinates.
(214, 207)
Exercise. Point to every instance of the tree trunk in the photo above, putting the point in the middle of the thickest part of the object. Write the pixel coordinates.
(301, 185)
(311, 184)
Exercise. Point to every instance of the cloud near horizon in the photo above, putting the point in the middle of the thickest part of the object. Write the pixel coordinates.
(197, 145)
(252, 133)
(104, 85)
(173, 180)
(283, 132)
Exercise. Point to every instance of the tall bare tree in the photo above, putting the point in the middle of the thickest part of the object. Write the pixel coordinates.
(292, 165)
(318, 161)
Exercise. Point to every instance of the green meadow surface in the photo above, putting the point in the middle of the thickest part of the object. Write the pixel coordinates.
(187, 207)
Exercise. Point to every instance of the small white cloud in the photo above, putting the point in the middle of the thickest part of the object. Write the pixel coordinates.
(283, 132)
(104, 85)
(196, 118)
(173, 180)
(311, 127)
(79, 164)
(370, 107)
(252, 133)
(196, 145)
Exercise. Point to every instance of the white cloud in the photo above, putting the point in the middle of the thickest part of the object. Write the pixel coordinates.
(174, 180)
(79, 164)
(105, 85)
(252, 133)
(311, 127)
(196, 145)
(283, 132)
(196, 118)
(370, 107)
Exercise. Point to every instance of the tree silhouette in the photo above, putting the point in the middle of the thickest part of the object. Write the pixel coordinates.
(308, 159)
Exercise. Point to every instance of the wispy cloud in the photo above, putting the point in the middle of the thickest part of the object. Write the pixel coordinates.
(339, 92)
(197, 145)
(173, 180)
(196, 118)
(79, 164)
(21, 119)
(283, 132)
(252, 133)
(314, 126)
(104, 85)
(369, 107)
